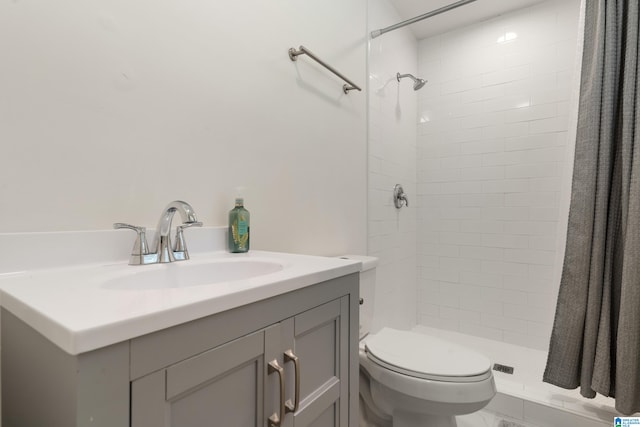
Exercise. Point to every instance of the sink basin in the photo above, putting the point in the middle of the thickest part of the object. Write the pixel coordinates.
(188, 274)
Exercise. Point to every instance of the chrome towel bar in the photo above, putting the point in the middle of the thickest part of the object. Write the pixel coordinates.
(293, 55)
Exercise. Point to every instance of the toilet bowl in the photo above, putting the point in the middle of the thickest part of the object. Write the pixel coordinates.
(415, 380)
(418, 380)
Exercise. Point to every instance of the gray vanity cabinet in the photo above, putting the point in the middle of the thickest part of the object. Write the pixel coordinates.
(213, 371)
(223, 386)
(232, 384)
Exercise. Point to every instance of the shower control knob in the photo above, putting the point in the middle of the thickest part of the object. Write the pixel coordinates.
(399, 197)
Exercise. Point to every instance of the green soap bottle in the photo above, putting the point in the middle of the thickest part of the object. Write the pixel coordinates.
(239, 228)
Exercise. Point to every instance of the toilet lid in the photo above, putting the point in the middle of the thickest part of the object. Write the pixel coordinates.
(426, 357)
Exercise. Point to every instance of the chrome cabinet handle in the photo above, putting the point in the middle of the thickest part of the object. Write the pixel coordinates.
(290, 357)
(275, 420)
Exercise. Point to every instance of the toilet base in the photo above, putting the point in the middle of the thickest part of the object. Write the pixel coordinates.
(411, 419)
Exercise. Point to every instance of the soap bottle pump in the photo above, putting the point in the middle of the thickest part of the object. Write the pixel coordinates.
(239, 228)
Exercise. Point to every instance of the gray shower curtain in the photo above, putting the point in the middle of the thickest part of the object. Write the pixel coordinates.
(595, 342)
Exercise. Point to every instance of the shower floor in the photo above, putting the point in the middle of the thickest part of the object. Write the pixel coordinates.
(523, 400)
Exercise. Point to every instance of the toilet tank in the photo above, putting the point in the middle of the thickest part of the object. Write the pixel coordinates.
(367, 290)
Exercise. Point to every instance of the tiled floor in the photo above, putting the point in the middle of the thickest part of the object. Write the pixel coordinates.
(559, 419)
(487, 419)
(479, 419)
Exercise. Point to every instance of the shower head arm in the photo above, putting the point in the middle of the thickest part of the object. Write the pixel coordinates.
(417, 83)
(402, 76)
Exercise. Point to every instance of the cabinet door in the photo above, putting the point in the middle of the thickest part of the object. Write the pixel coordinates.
(320, 340)
(220, 387)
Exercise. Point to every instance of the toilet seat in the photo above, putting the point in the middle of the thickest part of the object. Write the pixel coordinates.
(426, 357)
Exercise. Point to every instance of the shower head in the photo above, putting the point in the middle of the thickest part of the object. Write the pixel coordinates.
(417, 83)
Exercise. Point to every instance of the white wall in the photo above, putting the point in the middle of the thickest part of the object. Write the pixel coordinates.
(392, 152)
(491, 156)
(110, 110)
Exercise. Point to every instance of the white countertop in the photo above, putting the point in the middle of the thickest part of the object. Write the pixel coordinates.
(72, 307)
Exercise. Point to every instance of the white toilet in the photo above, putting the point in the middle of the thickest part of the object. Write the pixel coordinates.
(414, 380)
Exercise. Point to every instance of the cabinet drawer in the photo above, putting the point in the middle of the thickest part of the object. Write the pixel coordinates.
(190, 373)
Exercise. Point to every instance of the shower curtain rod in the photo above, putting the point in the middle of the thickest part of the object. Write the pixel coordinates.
(443, 9)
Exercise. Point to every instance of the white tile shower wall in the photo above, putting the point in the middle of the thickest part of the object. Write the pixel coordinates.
(392, 154)
(492, 135)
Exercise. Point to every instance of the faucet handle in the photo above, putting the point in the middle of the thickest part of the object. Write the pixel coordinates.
(140, 248)
(399, 197)
(180, 252)
(190, 224)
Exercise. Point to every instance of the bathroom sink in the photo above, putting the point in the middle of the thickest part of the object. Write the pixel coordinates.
(104, 301)
(188, 274)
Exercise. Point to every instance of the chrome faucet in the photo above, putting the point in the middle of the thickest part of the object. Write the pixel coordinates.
(164, 251)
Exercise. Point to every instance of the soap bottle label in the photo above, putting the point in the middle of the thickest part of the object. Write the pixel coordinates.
(242, 227)
(238, 229)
